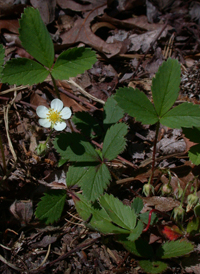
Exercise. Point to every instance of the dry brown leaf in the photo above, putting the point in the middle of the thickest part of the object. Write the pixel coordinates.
(81, 32)
(160, 203)
(11, 25)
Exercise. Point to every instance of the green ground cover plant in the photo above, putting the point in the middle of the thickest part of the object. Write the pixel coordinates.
(89, 166)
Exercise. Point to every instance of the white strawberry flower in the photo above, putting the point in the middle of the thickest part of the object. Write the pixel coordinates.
(54, 116)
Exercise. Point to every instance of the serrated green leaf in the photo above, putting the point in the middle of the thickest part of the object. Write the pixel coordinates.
(184, 115)
(174, 249)
(93, 180)
(2, 55)
(72, 62)
(137, 205)
(88, 125)
(153, 267)
(50, 208)
(137, 105)
(136, 232)
(75, 175)
(120, 214)
(73, 147)
(23, 71)
(165, 86)
(140, 247)
(114, 141)
(112, 112)
(61, 162)
(35, 38)
(194, 154)
(98, 218)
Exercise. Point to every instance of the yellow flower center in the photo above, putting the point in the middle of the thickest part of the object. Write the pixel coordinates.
(54, 116)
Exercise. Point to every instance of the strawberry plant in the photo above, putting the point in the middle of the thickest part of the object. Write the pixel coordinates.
(89, 164)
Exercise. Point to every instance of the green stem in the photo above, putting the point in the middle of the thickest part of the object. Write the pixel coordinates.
(48, 138)
(55, 86)
(182, 198)
(3, 156)
(154, 152)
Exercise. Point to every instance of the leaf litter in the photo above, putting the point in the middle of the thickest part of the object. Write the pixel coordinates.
(131, 40)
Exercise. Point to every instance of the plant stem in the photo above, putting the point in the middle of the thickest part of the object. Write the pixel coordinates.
(55, 86)
(154, 152)
(3, 156)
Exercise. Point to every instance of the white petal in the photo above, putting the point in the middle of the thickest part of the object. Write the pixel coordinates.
(66, 113)
(42, 111)
(57, 104)
(60, 126)
(45, 123)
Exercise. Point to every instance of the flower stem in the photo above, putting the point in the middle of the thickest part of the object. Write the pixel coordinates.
(55, 86)
(154, 152)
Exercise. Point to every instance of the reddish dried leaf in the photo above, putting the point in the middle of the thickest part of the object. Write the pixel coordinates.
(11, 25)
(171, 232)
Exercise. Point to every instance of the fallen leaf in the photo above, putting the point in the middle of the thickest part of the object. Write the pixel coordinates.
(81, 32)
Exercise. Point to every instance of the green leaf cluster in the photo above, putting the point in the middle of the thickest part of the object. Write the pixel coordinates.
(153, 263)
(109, 215)
(88, 167)
(37, 42)
(165, 88)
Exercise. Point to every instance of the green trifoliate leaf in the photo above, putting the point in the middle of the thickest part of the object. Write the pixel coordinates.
(153, 267)
(50, 208)
(184, 115)
(2, 55)
(112, 112)
(88, 125)
(174, 249)
(137, 105)
(140, 247)
(99, 219)
(165, 86)
(137, 205)
(73, 147)
(93, 180)
(35, 37)
(23, 71)
(120, 214)
(72, 62)
(114, 141)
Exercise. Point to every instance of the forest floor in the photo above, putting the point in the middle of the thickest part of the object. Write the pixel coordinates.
(131, 40)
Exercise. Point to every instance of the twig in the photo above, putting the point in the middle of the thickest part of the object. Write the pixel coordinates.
(6, 110)
(70, 81)
(9, 264)
(63, 257)
(13, 89)
(45, 258)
